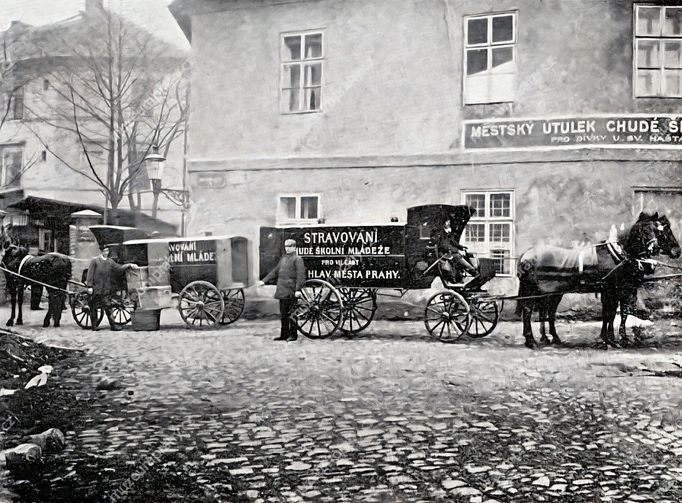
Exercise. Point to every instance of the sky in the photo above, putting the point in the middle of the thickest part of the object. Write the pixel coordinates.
(153, 15)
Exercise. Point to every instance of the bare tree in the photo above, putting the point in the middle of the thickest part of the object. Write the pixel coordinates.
(117, 92)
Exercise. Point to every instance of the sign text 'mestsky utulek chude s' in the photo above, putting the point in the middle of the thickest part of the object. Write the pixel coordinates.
(602, 131)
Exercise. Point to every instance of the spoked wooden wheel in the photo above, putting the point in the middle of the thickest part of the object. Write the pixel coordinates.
(359, 306)
(484, 317)
(122, 308)
(80, 309)
(234, 305)
(319, 310)
(447, 316)
(201, 304)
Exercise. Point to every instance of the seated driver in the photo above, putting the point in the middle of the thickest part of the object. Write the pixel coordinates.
(453, 252)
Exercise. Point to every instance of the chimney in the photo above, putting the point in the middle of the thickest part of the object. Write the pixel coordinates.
(92, 6)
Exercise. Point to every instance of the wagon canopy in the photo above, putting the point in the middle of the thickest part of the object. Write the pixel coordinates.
(116, 234)
(459, 216)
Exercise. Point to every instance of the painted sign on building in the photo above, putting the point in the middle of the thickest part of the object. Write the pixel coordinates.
(616, 131)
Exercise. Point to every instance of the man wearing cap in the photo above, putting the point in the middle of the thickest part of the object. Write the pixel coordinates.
(290, 273)
(102, 274)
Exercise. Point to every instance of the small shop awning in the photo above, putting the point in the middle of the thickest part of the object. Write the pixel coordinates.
(43, 208)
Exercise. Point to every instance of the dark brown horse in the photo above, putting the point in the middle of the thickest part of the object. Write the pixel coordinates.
(52, 269)
(615, 270)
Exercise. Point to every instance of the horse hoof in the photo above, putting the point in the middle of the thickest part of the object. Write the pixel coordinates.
(20, 322)
(56, 325)
(544, 341)
(530, 344)
(557, 342)
(46, 324)
(10, 323)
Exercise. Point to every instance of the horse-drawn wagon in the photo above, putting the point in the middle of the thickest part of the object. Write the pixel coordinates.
(349, 266)
(204, 276)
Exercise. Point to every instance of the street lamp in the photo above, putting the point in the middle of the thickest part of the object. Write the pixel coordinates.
(156, 163)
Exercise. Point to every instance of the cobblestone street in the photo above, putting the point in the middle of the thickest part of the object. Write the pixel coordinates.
(389, 416)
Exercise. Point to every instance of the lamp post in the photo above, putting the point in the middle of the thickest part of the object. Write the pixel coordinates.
(156, 163)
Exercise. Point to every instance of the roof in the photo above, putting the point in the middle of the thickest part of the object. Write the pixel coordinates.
(40, 207)
(65, 38)
(182, 11)
(86, 213)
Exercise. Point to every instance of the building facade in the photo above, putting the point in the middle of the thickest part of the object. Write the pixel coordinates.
(46, 168)
(556, 120)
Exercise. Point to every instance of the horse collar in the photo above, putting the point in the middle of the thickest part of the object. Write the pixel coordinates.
(616, 252)
(23, 261)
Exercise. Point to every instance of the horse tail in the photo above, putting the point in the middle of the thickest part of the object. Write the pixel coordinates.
(528, 285)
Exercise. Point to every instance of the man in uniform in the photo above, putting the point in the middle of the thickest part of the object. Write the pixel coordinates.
(102, 274)
(454, 253)
(290, 273)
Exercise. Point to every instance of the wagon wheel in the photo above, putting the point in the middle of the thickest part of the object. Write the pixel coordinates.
(359, 306)
(122, 308)
(201, 304)
(319, 310)
(447, 316)
(234, 305)
(80, 309)
(484, 317)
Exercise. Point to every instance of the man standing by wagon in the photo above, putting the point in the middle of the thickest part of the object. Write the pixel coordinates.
(290, 273)
(102, 275)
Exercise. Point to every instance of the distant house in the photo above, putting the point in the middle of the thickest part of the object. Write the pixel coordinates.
(40, 150)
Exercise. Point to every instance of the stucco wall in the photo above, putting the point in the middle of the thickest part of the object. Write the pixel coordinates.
(376, 98)
(393, 74)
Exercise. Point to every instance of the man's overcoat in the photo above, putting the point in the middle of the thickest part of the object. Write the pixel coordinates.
(290, 273)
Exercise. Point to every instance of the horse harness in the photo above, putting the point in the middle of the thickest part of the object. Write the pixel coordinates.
(23, 261)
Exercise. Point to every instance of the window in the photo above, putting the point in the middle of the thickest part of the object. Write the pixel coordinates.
(298, 209)
(302, 60)
(10, 166)
(489, 233)
(13, 105)
(658, 51)
(489, 58)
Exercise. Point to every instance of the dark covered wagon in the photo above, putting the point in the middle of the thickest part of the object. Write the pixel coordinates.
(348, 266)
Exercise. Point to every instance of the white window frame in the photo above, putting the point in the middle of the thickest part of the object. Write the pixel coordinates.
(662, 39)
(485, 247)
(489, 45)
(284, 103)
(3, 169)
(297, 220)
